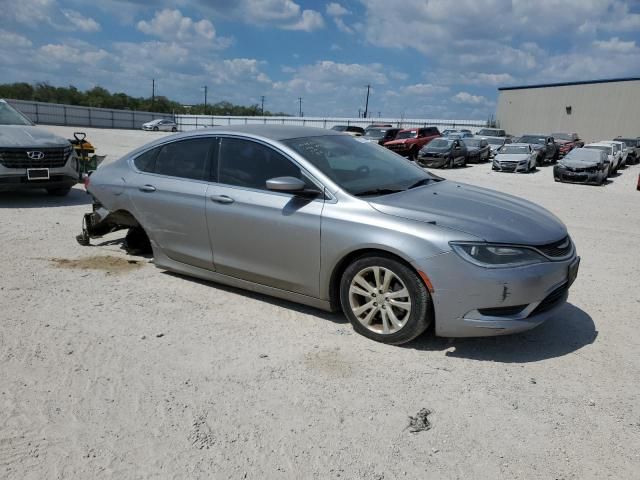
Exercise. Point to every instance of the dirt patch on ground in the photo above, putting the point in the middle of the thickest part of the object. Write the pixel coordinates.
(105, 263)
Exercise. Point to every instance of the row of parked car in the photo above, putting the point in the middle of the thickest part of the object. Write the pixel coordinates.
(427, 146)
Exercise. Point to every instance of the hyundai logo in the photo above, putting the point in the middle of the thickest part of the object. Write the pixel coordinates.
(35, 155)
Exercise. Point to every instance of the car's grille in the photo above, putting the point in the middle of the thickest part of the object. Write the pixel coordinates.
(576, 178)
(508, 166)
(19, 157)
(396, 148)
(558, 249)
(551, 300)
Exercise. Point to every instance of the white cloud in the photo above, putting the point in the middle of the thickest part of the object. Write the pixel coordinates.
(310, 20)
(232, 71)
(13, 40)
(615, 45)
(336, 10)
(172, 24)
(469, 99)
(81, 22)
(422, 89)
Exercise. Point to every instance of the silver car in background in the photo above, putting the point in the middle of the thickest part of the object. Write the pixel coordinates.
(32, 157)
(160, 124)
(516, 157)
(335, 222)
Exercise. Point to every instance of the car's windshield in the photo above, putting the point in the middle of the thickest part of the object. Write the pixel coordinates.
(531, 139)
(604, 148)
(562, 136)
(339, 128)
(495, 141)
(10, 116)
(439, 143)
(375, 132)
(515, 149)
(360, 167)
(472, 142)
(407, 134)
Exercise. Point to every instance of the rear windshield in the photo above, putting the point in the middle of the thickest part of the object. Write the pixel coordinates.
(472, 142)
(375, 132)
(495, 141)
(490, 132)
(10, 116)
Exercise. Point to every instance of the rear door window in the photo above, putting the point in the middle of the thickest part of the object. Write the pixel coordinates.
(146, 162)
(185, 159)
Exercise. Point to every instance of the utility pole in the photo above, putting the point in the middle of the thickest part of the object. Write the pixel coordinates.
(262, 105)
(153, 92)
(366, 105)
(300, 102)
(359, 112)
(205, 99)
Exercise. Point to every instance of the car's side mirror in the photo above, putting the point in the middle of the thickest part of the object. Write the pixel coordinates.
(285, 184)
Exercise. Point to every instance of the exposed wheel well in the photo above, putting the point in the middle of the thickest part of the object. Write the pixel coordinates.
(336, 275)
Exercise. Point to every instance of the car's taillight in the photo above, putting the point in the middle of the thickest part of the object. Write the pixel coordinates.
(86, 180)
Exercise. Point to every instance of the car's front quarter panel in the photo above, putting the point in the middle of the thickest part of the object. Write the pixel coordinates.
(462, 288)
(351, 225)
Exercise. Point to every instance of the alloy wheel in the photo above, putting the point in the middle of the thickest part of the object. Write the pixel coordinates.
(379, 300)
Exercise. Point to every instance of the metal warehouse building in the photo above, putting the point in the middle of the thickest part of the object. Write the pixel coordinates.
(595, 109)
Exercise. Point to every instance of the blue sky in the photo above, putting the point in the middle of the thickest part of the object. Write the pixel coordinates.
(423, 58)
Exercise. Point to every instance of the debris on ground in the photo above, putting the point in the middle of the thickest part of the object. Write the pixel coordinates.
(420, 422)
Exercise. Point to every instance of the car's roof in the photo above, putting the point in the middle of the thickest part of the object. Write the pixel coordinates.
(598, 144)
(272, 132)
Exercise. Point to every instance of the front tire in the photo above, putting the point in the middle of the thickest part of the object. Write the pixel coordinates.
(155, 129)
(385, 300)
(174, 129)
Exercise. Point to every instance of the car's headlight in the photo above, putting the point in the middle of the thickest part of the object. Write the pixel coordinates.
(496, 256)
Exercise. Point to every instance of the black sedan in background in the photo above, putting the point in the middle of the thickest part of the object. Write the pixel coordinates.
(381, 134)
(477, 150)
(583, 165)
(443, 152)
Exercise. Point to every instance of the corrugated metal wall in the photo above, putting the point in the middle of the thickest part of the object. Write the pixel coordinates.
(191, 122)
(58, 114)
(598, 111)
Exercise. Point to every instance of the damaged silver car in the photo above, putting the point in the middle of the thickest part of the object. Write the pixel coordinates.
(336, 222)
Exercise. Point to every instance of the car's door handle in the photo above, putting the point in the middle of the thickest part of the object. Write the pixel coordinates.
(221, 199)
(147, 188)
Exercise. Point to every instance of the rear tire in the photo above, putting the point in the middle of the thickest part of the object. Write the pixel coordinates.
(155, 129)
(385, 300)
(58, 192)
(174, 129)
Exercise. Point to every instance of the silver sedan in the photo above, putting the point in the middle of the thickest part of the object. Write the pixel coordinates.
(327, 220)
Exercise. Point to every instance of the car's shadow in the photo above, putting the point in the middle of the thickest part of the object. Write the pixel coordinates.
(335, 317)
(569, 331)
(39, 199)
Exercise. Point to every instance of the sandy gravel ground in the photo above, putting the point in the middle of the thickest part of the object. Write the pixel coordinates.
(111, 368)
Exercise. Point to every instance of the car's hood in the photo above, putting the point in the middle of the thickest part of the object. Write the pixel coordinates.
(578, 163)
(473, 149)
(512, 157)
(400, 141)
(487, 214)
(429, 149)
(16, 136)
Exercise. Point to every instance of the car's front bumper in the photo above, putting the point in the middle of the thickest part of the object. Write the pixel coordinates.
(510, 166)
(568, 176)
(13, 179)
(472, 301)
(431, 161)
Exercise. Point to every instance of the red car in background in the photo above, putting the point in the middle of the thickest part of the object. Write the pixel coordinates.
(409, 142)
(567, 142)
